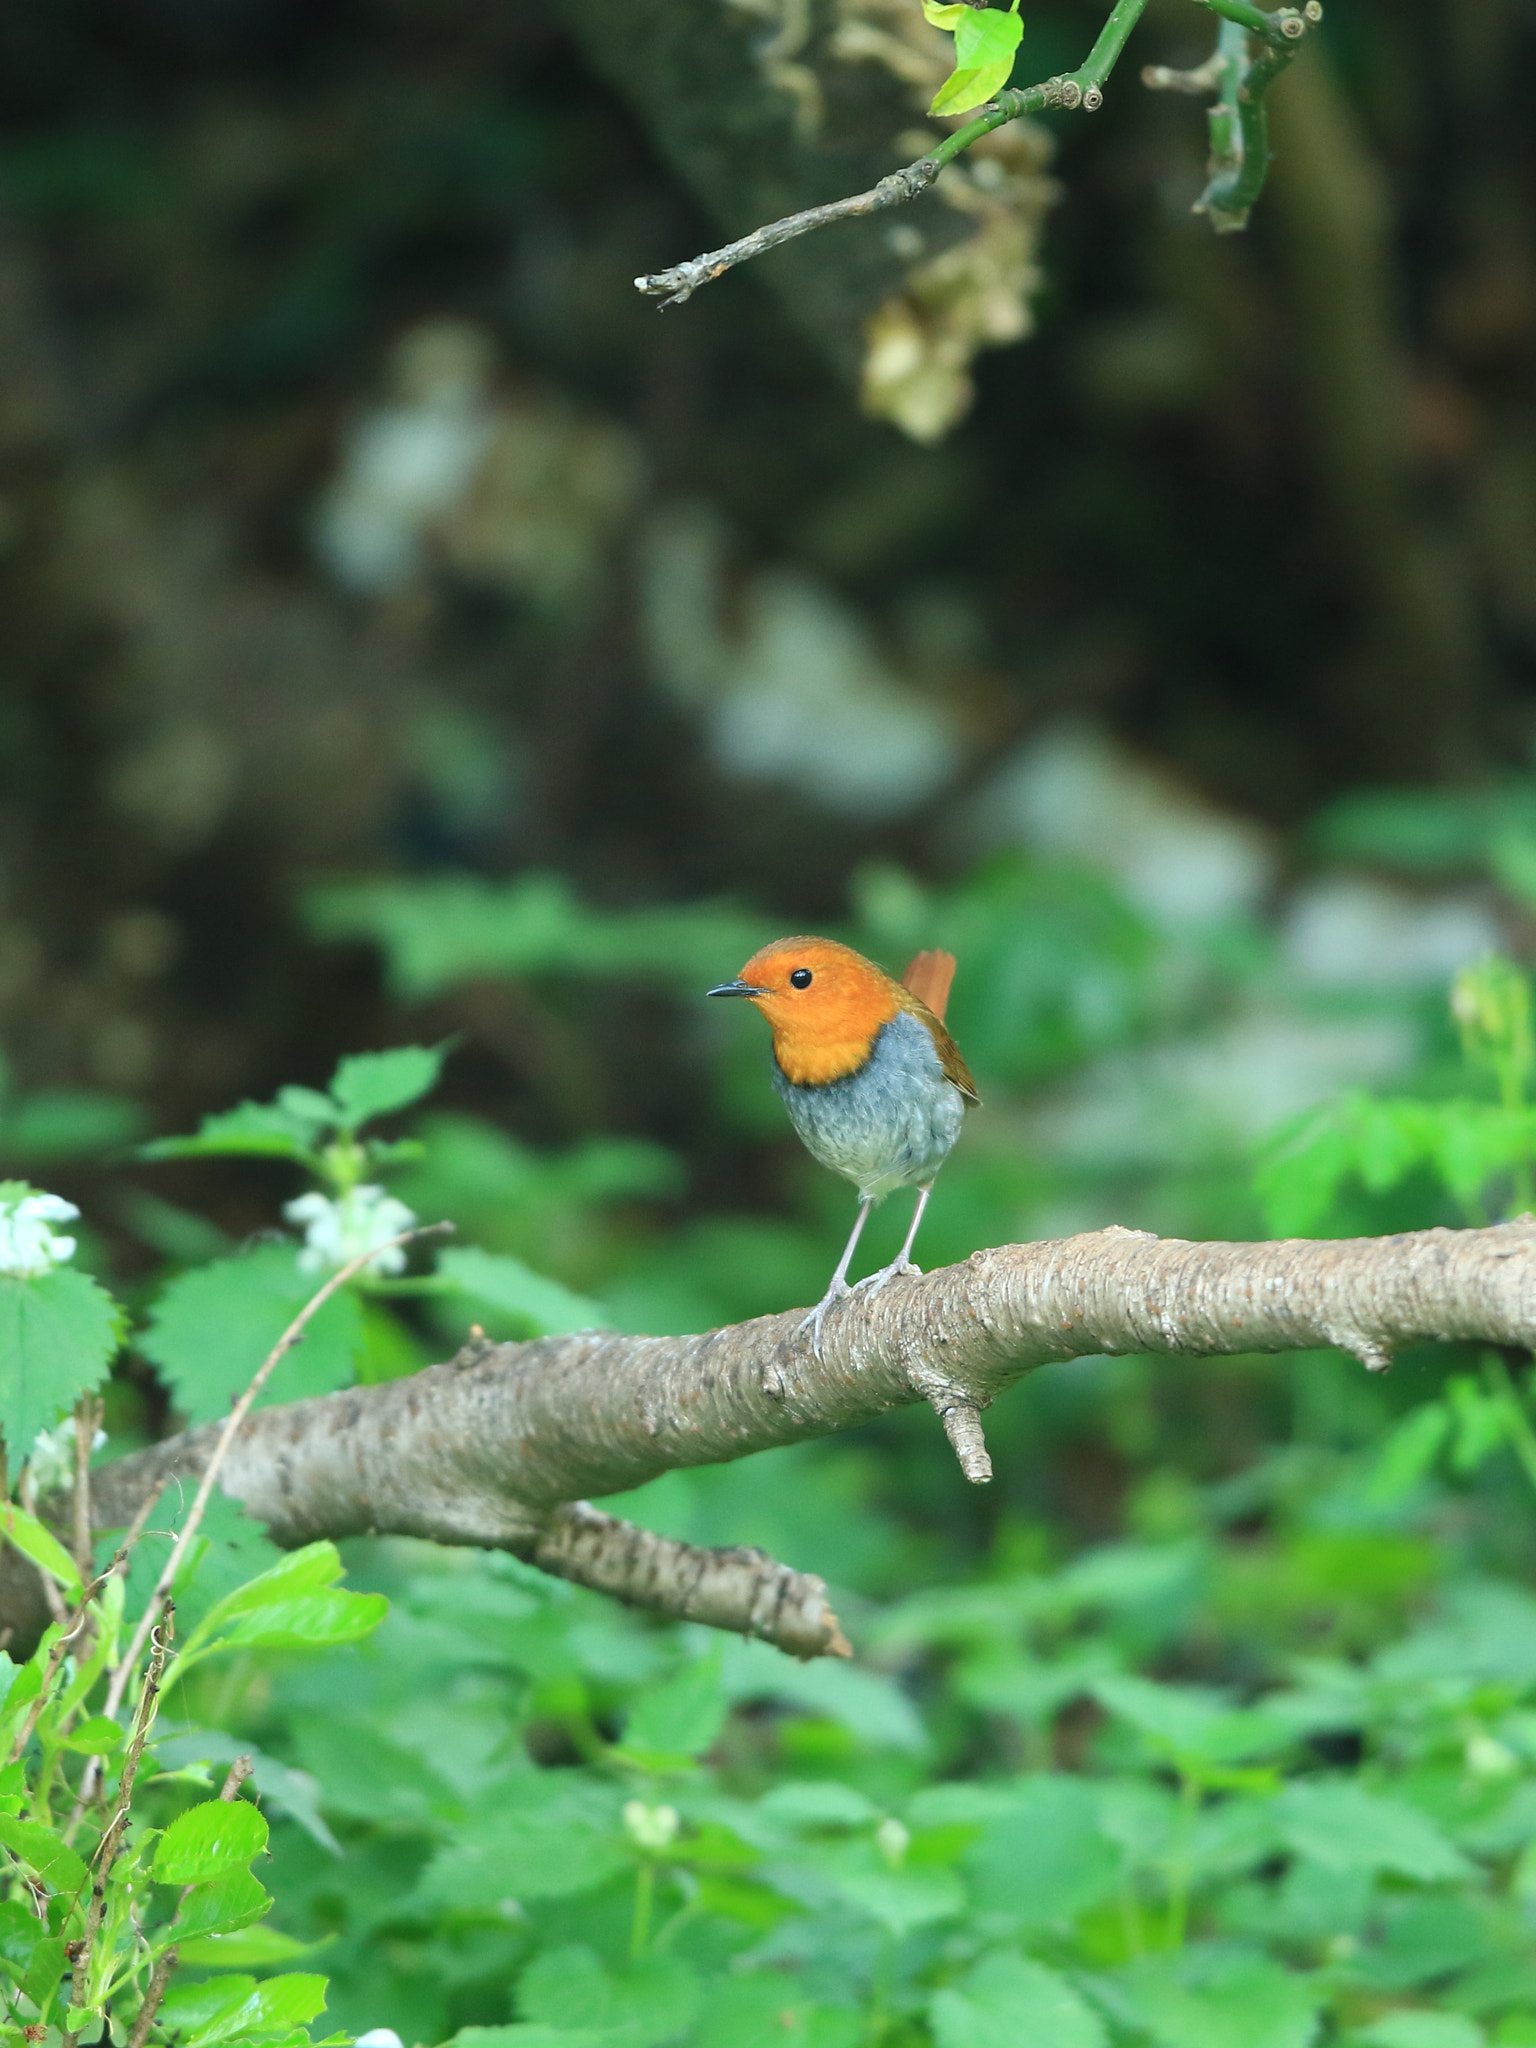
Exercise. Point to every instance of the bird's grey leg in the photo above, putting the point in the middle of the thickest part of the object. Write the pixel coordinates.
(837, 1286)
(902, 1263)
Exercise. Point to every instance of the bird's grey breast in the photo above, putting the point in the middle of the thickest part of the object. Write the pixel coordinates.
(892, 1123)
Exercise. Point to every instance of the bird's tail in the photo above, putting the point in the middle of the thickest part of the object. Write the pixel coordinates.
(928, 977)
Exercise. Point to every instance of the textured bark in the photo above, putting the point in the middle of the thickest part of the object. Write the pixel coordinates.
(499, 1446)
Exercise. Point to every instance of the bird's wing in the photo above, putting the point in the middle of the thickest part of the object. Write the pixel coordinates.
(929, 977)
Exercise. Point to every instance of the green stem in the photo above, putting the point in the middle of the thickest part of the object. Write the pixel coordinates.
(1246, 17)
(1076, 88)
(1179, 1864)
(640, 1926)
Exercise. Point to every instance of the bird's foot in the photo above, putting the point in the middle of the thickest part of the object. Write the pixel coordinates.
(813, 1322)
(873, 1282)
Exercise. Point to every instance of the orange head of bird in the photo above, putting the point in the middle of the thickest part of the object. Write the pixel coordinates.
(825, 1002)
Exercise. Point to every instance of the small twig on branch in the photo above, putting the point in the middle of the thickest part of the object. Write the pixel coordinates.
(501, 1447)
(1082, 88)
(1239, 130)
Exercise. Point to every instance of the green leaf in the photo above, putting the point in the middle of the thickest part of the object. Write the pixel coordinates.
(220, 1905)
(99, 1735)
(41, 1545)
(20, 1933)
(1212, 1998)
(986, 43)
(1408, 2029)
(681, 1716)
(455, 928)
(1342, 1826)
(238, 2008)
(66, 1123)
(532, 1840)
(940, 16)
(1044, 1859)
(1190, 1722)
(41, 1850)
(207, 1841)
(1006, 2002)
(652, 2001)
(367, 1775)
(900, 1900)
(369, 1084)
(1409, 1452)
(535, 2035)
(282, 2002)
(288, 1129)
(866, 1703)
(504, 1286)
(211, 1328)
(766, 2009)
(248, 1948)
(191, 2009)
(58, 1332)
(294, 1605)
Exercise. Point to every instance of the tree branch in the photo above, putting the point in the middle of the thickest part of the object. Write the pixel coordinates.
(1254, 48)
(498, 1447)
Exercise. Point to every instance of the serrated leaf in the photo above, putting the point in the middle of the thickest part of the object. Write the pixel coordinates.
(497, 1282)
(293, 1605)
(533, 1841)
(191, 2009)
(58, 1332)
(569, 1987)
(258, 1130)
(212, 1327)
(207, 1841)
(681, 1716)
(1344, 1827)
(98, 1736)
(1222, 1999)
(369, 1084)
(282, 2002)
(903, 1899)
(986, 43)
(238, 2008)
(41, 1545)
(1005, 2002)
(1043, 1859)
(220, 1905)
(20, 1933)
(41, 1850)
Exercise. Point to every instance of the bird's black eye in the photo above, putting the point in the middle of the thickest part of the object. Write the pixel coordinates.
(801, 978)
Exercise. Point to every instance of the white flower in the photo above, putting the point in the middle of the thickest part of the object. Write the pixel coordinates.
(650, 1827)
(27, 1246)
(379, 2037)
(361, 1219)
(51, 1459)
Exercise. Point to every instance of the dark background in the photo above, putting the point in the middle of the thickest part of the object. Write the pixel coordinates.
(1264, 507)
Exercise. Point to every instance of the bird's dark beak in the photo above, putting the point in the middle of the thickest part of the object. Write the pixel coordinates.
(737, 988)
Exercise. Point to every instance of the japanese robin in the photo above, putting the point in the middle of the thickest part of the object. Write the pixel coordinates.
(874, 1085)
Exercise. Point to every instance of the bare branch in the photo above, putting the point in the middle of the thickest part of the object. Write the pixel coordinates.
(501, 1446)
(683, 280)
(1253, 49)
(1081, 88)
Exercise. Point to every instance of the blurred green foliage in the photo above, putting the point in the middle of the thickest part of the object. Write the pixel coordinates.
(1212, 1725)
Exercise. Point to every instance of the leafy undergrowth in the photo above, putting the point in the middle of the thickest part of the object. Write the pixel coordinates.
(1211, 1725)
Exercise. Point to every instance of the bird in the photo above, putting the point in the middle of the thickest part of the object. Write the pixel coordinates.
(875, 1086)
